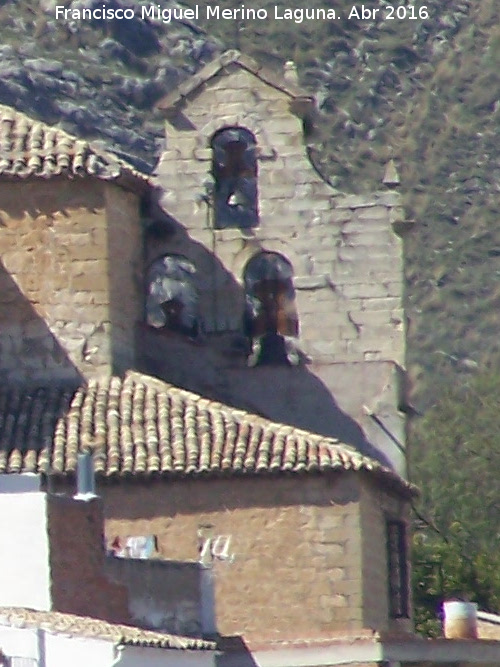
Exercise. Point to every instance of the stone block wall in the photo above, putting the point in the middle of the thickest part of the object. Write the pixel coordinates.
(125, 271)
(376, 508)
(66, 310)
(346, 255)
(293, 566)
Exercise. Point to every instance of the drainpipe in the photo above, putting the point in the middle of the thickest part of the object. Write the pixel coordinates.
(41, 662)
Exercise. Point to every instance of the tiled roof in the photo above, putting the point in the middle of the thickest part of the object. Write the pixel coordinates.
(29, 148)
(139, 425)
(231, 57)
(84, 626)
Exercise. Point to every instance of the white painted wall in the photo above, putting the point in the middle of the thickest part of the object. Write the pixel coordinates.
(59, 650)
(19, 642)
(24, 549)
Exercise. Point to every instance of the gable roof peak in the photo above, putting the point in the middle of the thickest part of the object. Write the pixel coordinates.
(233, 57)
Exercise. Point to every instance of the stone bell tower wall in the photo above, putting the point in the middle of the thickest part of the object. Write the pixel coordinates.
(346, 253)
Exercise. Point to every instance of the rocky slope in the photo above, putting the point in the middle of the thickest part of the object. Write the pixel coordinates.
(97, 79)
(425, 92)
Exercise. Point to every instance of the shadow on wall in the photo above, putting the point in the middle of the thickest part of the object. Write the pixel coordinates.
(214, 363)
(190, 497)
(163, 595)
(234, 651)
(296, 395)
(56, 240)
(29, 351)
(38, 378)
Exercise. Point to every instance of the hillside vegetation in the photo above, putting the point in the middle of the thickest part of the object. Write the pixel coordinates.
(454, 459)
(425, 92)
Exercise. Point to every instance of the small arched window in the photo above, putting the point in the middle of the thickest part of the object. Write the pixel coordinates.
(172, 298)
(271, 319)
(234, 169)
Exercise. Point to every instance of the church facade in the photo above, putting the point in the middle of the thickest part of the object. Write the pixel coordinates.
(232, 358)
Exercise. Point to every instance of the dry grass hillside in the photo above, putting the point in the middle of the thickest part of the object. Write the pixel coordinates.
(425, 92)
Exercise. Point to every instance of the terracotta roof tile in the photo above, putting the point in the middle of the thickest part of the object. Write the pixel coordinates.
(85, 626)
(29, 148)
(139, 425)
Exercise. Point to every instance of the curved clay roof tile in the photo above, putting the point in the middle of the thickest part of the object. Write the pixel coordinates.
(140, 425)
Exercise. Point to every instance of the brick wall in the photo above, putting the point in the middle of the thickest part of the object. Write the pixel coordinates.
(296, 549)
(56, 280)
(78, 582)
(346, 256)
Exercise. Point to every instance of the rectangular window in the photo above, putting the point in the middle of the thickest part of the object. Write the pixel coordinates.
(397, 559)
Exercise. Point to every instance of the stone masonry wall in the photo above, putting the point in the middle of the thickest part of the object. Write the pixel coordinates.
(377, 507)
(56, 280)
(346, 255)
(294, 555)
(125, 271)
(78, 583)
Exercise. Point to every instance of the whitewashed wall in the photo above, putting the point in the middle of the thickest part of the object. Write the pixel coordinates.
(58, 650)
(61, 651)
(20, 643)
(25, 571)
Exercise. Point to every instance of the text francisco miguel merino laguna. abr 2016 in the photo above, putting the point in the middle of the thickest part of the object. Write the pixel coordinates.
(169, 14)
